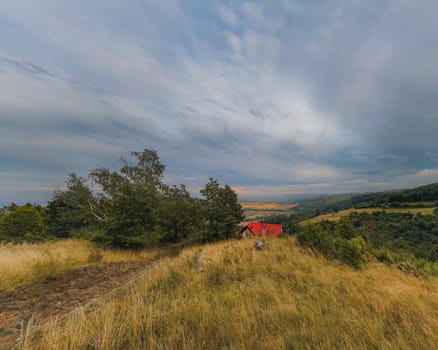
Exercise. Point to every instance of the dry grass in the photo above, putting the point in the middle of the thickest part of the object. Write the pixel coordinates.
(254, 210)
(281, 298)
(337, 216)
(26, 263)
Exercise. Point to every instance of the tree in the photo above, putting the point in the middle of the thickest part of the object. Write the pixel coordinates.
(180, 215)
(128, 201)
(345, 229)
(222, 211)
(131, 219)
(148, 169)
(71, 209)
(22, 223)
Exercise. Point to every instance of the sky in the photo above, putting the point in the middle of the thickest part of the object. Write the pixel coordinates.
(276, 98)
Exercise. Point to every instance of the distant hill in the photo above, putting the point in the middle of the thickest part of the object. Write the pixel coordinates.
(322, 202)
(423, 196)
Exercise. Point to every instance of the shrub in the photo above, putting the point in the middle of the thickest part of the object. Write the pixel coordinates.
(345, 229)
(384, 256)
(23, 223)
(313, 236)
(353, 252)
(433, 253)
(409, 268)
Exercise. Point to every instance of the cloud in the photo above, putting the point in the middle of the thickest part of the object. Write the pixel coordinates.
(271, 97)
(227, 15)
(428, 173)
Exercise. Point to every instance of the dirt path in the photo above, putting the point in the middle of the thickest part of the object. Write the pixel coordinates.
(60, 295)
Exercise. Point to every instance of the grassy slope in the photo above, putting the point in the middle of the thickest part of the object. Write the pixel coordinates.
(255, 210)
(27, 263)
(337, 216)
(236, 297)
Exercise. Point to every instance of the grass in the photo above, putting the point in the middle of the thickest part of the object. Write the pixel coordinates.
(281, 298)
(254, 210)
(27, 263)
(337, 216)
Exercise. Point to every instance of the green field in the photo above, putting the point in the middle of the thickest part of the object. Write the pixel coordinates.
(253, 210)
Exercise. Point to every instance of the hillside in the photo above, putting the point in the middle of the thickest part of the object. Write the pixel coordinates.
(229, 295)
(322, 202)
(345, 212)
(423, 196)
(253, 210)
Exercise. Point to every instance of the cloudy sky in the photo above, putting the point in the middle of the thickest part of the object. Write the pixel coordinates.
(273, 97)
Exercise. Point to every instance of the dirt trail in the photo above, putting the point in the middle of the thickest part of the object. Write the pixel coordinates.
(60, 295)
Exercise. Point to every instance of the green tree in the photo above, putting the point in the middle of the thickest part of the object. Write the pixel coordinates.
(344, 228)
(222, 211)
(131, 219)
(23, 223)
(180, 215)
(353, 252)
(313, 236)
(128, 201)
(71, 209)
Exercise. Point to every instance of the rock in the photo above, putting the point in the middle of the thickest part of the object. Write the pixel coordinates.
(259, 245)
(200, 261)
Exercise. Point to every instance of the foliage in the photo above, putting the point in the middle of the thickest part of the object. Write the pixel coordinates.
(354, 252)
(131, 220)
(180, 215)
(387, 237)
(22, 224)
(70, 210)
(313, 236)
(291, 223)
(349, 250)
(425, 196)
(128, 201)
(222, 211)
(128, 208)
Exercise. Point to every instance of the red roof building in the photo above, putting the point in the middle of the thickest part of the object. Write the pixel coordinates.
(261, 229)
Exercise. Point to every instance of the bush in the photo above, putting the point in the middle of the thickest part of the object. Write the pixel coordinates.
(409, 268)
(433, 253)
(384, 256)
(313, 236)
(353, 252)
(23, 223)
(345, 229)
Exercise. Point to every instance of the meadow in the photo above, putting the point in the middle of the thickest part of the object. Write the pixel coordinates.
(230, 296)
(26, 263)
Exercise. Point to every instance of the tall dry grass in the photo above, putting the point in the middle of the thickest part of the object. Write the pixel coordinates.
(239, 298)
(26, 263)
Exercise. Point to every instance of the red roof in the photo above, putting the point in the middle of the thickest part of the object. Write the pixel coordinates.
(262, 229)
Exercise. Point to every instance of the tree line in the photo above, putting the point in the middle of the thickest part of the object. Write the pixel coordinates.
(128, 208)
